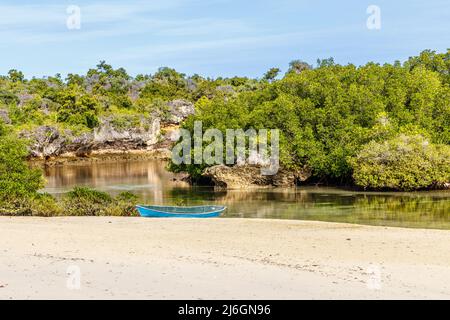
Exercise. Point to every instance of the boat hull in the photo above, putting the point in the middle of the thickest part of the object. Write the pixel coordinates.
(180, 212)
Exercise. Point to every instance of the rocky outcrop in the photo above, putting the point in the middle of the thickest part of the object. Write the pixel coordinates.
(45, 141)
(24, 98)
(4, 116)
(48, 141)
(442, 186)
(249, 176)
(226, 89)
(181, 177)
(114, 133)
(237, 177)
(179, 110)
(109, 135)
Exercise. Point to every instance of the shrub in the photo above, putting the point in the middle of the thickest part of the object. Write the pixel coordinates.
(88, 202)
(44, 205)
(403, 163)
(123, 205)
(83, 201)
(17, 180)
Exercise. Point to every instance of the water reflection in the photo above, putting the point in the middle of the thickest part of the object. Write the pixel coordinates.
(155, 185)
(147, 178)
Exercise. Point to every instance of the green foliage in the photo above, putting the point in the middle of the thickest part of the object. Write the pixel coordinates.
(8, 98)
(17, 180)
(77, 110)
(83, 201)
(298, 66)
(16, 76)
(43, 205)
(166, 84)
(89, 202)
(124, 205)
(402, 163)
(328, 114)
(125, 121)
(271, 74)
(80, 101)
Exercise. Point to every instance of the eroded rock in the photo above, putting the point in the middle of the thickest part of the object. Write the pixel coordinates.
(46, 141)
(179, 110)
(146, 134)
(4, 116)
(249, 176)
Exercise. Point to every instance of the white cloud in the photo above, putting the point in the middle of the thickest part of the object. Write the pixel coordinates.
(243, 42)
(31, 24)
(96, 12)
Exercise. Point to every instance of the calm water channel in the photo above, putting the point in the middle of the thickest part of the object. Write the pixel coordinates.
(151, 181)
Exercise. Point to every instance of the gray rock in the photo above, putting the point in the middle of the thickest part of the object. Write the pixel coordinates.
(249, 176)
(4, 116)
(237, 177)
(25, 97)
(146, 134)
(47, 105)
(179, 110)
(82, 145)
(226, 89)
(135, 89)
(46, 141)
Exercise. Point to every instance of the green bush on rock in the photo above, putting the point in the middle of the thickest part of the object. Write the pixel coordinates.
(403, 163)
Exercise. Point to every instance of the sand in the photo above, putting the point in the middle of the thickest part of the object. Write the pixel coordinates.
(134, 258)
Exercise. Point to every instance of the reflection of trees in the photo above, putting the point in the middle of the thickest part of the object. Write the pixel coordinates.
(154, 184)
(320, 204)
(414, 209)
(98, 175)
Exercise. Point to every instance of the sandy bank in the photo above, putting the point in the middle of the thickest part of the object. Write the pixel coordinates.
(222, 258)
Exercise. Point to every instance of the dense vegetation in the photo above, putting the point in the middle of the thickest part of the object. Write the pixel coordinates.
(78, 102)
(19, 186)
(18, 183)
(376, 126)
(329, 116)
(405, 162)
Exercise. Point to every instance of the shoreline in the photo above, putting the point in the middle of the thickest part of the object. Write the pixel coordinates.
(163, 154)
(104, 156)
(135, 258)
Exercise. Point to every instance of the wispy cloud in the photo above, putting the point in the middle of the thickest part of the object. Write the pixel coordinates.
(20, 16)
(30, 24)
(242, 42)
(220, 36)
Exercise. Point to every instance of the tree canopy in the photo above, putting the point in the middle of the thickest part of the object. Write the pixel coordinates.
(327, 114)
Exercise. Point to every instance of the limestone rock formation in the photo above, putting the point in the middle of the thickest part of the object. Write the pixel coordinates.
(114, 133)
(249, 176)
(4, 116)
(179, 110)
(46, 141)
(130, 137)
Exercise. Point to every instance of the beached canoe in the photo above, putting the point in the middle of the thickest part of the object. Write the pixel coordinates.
(180, 212)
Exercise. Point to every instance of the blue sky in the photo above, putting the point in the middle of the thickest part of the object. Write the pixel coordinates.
(214, 37)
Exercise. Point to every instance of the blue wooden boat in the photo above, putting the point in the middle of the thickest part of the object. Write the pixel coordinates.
(180, 212)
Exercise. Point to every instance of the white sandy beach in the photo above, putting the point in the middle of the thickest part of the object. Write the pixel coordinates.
(133, 258)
